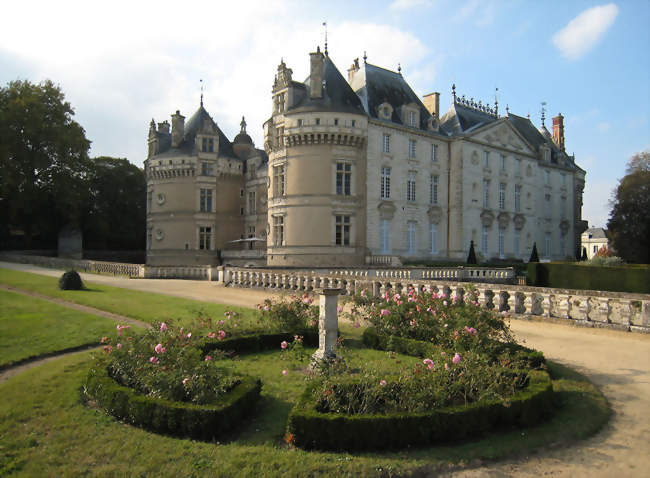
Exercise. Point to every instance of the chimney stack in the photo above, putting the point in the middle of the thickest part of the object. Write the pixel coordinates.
(178, 129)
(558, 131)
(164, 127)
(432, 103)
(353, 69)
(316, 74)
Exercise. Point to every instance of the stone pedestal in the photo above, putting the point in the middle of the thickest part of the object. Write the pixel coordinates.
(328, 324)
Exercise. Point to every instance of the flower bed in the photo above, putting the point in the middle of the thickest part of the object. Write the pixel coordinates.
(308, 428)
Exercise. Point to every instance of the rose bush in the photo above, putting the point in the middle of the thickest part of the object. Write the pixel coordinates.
(293, 313)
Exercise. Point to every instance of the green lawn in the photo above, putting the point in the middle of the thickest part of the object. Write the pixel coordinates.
(44, 426)
(32, 327)
(145, 306)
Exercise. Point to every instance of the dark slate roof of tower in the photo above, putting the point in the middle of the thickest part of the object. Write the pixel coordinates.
(385, 86)
(337, 94)
(194, 125)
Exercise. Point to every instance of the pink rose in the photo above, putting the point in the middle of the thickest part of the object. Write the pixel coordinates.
(284, 344)
(456, 358)
(357, 325)
(284, 372)
(339, 309)
(212, 335)
(159, 349)
(382, 383)
(185, 380)
(119, 346)
(153, 360)
(163, 327)
(429, 363)
(384, 312)
(189, 335)
(208, 358)
(446, 366)
(222, 334)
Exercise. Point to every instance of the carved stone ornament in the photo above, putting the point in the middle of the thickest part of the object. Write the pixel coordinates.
(504, 219)
(519, 221)
(487, 217)
(386, 210)
(564, 227)
(435, 214)
(475, 158)
(160, 234)
(160, 199)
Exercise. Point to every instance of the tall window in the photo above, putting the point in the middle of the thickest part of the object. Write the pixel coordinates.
(342, 230)
(204, 144)
(517, 198)
(251, 202)
(385, 183)
(547, 244)
(279, 132)
(386, 143)
(278, 230)
(486, 193)
(502, 196)
(503, 162)
(343, 177)
(433, 232)
(433, 190)
(547, 205)
(206, 169)
(563, 207)
(434, 152)
(517, 236)
(502, 233)
(410, 187)
(205, 238)
(206, 200)
(484, 240)
(410, 238)
(547, 176)
(411, 118)
(518, 166)
(278, 181)
(384, 234)
(486, 159)
(411, 148)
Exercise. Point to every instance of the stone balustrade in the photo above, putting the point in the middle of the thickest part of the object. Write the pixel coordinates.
(588, 308)
(81, 265)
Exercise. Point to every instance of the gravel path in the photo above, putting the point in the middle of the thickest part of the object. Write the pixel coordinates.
(617, 362)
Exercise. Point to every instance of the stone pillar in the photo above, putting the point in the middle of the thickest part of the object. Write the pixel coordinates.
(328, 324)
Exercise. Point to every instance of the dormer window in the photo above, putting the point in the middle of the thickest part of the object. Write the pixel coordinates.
(411, 118)
(336, 121)
(299, 122)
(317, 121)
(385, 111)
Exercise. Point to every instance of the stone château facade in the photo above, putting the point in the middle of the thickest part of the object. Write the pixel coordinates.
(362, 171)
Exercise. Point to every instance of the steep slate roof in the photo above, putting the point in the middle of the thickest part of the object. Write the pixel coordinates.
(460, 119)
(337, 94)
(195, 124)
(596, 233)
(385, 86)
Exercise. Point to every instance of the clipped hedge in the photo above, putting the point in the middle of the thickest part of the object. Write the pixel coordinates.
(256, 343)
(310, 429)
(202, 422)
(631, 278)
(416, 348)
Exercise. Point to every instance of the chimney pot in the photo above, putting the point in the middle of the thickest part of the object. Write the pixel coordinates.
(558, 131)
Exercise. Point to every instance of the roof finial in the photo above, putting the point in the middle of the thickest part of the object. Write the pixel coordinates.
(365, 57)
(201, 92)
(496, 101)
(507, 110)
(453, 92)
(399, 68)
(243, 125)
(325, 25)
(543, 112)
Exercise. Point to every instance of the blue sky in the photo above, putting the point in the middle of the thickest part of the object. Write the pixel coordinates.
(121, 63)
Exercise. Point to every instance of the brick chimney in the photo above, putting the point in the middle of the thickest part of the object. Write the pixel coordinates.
(178, 129)
(432, 103)
(316, 74)
(558, 131)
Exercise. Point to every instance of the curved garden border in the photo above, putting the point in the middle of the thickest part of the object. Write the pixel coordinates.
(309, 428)
(203, 422)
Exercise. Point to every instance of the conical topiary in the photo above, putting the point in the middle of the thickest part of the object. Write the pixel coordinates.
(534, 257)
(471, 257)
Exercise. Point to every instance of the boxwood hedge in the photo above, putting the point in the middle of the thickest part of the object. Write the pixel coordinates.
(203, 422)
(310, 429)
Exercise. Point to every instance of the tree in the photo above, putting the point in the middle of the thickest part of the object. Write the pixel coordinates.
(471, 257)
(534, 257)
(43, 159)
(629, 220)
(116, 214)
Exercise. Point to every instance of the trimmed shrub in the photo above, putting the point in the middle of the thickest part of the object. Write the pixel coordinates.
(202, 422)
(71, 280)
(308, 428)
(255, 343)
(630, 278)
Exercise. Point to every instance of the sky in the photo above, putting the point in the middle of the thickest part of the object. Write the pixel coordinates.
(122, 63)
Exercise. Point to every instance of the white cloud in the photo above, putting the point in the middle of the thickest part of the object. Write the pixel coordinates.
(481, 12)
(584, 31)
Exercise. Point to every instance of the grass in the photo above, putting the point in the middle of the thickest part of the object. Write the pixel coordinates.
(146, 306)
(32, 327)
(44, 426)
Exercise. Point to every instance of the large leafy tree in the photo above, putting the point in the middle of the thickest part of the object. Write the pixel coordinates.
(629, 221)
(43, 160)
(116, 217)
